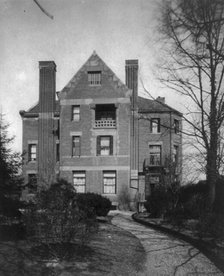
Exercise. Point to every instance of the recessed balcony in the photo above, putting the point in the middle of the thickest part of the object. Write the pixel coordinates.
(105, 116)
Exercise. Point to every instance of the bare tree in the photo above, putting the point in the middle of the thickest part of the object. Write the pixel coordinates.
(43, 10)
(194, 32)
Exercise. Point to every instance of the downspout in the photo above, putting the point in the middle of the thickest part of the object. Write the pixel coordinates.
(170, 145)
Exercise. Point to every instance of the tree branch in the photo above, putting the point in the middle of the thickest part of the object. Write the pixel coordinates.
(43, 10)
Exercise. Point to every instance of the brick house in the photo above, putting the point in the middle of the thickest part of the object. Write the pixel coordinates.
(99, 134)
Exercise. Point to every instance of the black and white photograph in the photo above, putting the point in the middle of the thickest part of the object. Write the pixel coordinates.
(111, 137)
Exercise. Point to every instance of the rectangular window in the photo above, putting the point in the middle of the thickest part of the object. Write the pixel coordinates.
(79, 181)
(176, 126)
(94, 78)
(155, 125)
(76, 146)
(109, 182)
(56, 130)
(155, 155)
(75, 113)
(175, 154)
(105, 145)
(32, 152)
(32, 183)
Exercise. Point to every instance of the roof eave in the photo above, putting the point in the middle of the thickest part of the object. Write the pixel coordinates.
(160, 111)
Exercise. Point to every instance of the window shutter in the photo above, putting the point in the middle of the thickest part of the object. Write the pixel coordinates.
(73, 146)
(79, 147)
(151, 125)
(111, 145)
(159, 125)
(98, 145)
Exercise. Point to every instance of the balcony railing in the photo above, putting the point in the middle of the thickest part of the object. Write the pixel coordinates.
(153, 161)
(105, 123)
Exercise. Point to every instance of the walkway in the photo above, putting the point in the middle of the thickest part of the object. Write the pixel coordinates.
(166, 255)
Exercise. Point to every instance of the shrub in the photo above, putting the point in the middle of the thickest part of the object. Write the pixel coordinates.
(194, 207)
(190, 202)
(185, 203)
(94, 203)
(55, 217)
(211, 224)
(159, 202)
(188, 191)
(9, 207)
(12, 232)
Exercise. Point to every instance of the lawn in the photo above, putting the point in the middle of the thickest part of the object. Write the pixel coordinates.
(111, 251)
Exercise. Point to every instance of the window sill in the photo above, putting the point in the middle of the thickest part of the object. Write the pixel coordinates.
(95, 85)
(101, 128)
(105, 155)
(150, 166)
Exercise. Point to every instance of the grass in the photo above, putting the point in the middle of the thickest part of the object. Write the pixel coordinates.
(111, 251)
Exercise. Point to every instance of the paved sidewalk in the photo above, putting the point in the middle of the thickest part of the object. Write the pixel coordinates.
(166, 255)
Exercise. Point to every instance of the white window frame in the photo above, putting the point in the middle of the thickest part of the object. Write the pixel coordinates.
(104, 145)
(74, 147)
(32, 152)
(76, 113)
(155, 125)
(109, 182)
(79, 181)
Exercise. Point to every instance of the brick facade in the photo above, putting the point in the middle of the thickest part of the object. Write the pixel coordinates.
(98, 134)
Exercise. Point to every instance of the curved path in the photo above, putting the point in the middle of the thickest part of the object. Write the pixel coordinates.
(166, 255)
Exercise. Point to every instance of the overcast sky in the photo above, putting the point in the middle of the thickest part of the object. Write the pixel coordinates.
(115, 29)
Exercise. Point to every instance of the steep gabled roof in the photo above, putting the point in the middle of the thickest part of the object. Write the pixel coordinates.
(154, 106)
(114, 87)
(94, 63)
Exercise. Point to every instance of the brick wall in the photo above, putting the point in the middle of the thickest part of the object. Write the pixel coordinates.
(166, 138)
(30, 135)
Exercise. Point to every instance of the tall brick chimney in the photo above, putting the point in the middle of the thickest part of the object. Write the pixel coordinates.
(46, 139)
(131, 70)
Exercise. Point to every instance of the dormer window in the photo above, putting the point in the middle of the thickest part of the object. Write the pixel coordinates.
(94, 78)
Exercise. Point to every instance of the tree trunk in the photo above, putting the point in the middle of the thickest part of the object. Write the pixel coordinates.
(211, 176)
